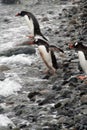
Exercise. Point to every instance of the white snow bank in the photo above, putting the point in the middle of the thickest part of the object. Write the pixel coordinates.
(8, 87)
(5, 121)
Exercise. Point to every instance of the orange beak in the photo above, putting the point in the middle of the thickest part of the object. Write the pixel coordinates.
(31, 37)
(17, 14)
(71, 46)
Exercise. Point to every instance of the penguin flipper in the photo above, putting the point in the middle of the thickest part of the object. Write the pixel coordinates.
(54, 48)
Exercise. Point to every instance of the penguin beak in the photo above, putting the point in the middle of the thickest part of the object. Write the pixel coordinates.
(17, 14)
(71, 46)
(31, 37)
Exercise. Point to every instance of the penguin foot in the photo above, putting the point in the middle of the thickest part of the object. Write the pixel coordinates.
(82, 77)
(52, 71)
(45, 71)
(30, 36)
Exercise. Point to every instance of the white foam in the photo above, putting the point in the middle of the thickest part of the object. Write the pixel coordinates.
(5, 121)
(9, 87)
(21, 59)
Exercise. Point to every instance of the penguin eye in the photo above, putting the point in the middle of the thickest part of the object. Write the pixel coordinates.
(76, 44)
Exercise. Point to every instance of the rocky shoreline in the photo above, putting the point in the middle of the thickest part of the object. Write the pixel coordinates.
(60, 102)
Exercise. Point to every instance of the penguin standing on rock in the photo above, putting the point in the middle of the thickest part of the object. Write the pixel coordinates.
(82, 54)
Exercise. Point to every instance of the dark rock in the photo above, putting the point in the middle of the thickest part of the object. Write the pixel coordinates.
(1, 110)
(10, 1)
(2, 76)
(4, 68)
(66, 93)
(45, 19)
(49, 99)
(46, 76)
(57, 87)
(6, 20)
(84, 98)
(18, 50)
(23, 126)
(19, 110)
(32, 94)
(81, 123)
(57, 105)
(16, 129)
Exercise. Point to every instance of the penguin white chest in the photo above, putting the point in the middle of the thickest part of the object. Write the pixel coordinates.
(83, 61)
(46, 56)
(30, 24)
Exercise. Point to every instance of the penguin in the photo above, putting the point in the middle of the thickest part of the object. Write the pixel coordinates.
(32, 24)
(47, 54)
(82, 55)
(46, 51)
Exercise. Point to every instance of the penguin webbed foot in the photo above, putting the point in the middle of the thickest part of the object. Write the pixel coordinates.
(46, 71)
(82, 77)
(50, 72)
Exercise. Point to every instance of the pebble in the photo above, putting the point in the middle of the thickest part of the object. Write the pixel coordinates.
(84, 98)
(18, 50)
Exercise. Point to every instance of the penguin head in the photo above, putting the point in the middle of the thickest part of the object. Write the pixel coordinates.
(22, 13)
(76, 45)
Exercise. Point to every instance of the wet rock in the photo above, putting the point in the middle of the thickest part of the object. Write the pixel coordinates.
(23, 126)
(10, 1)
(2, 76)
(19, 109)
(4, 68)
(84, 99)
(16, 129)
(1, 110)
(45, 19)
(6, 20)
(48, 99)
(2, 98)
(32, 94)
(81, 123)
(18, 50)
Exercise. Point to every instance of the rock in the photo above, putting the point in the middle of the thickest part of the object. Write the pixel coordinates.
(4, 68)
(45, 19)
(6, 20)
(18, 50)
(84, 98)
(1, 110)
(49, 99)
(10, 1)
(32, 94)
(2, 76)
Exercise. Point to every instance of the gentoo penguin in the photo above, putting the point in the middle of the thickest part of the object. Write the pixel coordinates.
(82, 54)
(32, 24)
(47, 53)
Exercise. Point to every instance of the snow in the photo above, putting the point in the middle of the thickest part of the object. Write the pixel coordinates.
(5, 121)
(9, 87)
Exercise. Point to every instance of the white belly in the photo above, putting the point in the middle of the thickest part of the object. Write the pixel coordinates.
(83, 61)
(46, 56)
(30, 24)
